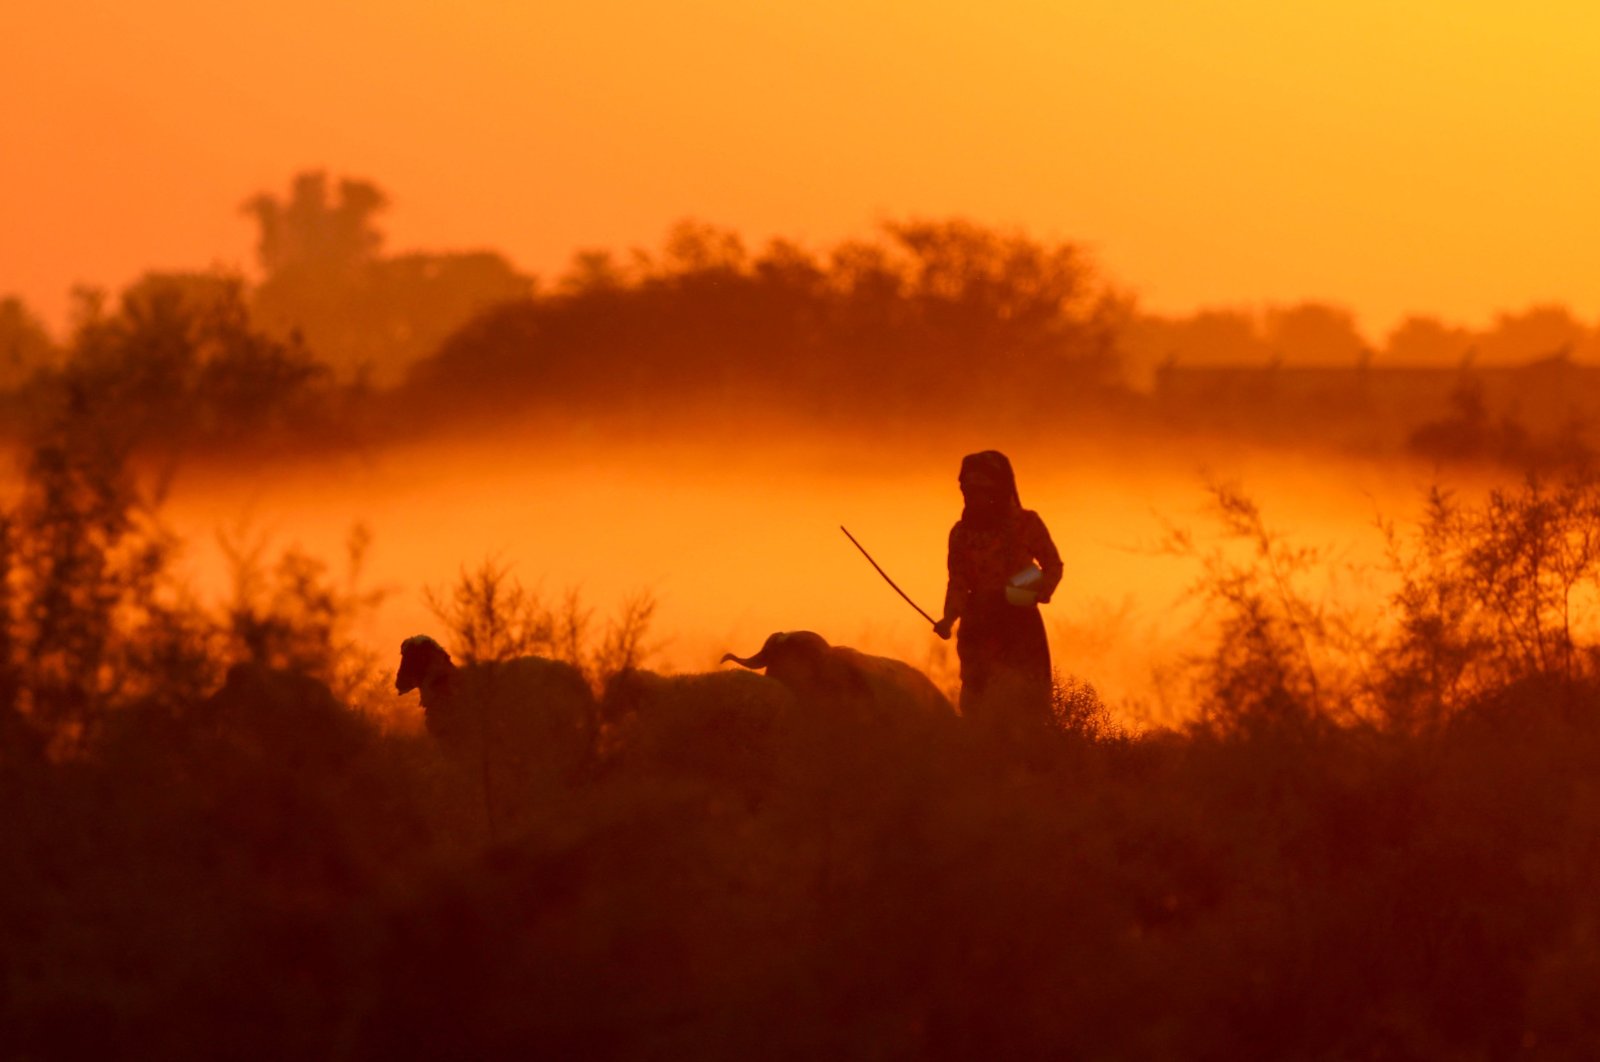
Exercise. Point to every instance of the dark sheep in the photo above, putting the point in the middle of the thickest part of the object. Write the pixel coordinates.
(283, 714)
(722, 729)
(529, 709)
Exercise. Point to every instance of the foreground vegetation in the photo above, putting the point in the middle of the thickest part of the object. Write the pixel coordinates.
(267, 891)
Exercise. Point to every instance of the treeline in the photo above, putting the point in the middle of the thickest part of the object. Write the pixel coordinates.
(1320, 333)
(943, 319)
(183, 369)
(926, 322)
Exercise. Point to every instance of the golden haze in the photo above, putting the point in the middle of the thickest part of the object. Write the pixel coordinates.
(738, 538)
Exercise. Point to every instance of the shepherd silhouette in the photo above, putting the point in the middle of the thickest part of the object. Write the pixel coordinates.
(1003, 566)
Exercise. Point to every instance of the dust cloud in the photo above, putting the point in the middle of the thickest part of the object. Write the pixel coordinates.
(737, 538)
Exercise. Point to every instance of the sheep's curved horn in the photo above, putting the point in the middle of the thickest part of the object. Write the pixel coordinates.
(753, 662)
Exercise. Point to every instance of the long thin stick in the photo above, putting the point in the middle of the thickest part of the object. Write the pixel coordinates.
(885, 575)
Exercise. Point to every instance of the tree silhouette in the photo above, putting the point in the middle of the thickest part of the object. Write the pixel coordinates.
(1537, 332)
(314, 233)
(1315, 333)
(1422, 340)
(326, 279)
(181, 364)
(25, 346)
(928, 317)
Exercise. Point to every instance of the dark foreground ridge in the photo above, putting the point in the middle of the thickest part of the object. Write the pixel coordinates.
(262, 873)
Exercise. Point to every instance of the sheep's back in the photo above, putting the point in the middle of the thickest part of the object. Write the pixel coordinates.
(721, 727)
(634, 691)
(284, 714)
(895, 685)
(527, 709)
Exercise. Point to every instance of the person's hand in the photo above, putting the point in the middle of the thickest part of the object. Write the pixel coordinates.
(942, 628)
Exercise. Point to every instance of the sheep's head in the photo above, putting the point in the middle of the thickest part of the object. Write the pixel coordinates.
(422, 662)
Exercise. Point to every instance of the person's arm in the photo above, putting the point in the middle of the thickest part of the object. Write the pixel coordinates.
(1044, 552)
(956, 591)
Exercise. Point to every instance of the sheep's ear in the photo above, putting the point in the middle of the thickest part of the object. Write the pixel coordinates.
(418, 643)
(423, 647)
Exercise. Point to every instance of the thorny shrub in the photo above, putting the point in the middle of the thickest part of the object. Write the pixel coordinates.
(492, 616)
(1483, 595)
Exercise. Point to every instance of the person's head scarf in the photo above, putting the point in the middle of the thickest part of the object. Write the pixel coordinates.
(989, 488)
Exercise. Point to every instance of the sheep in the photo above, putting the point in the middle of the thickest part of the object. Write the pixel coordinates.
(284, 714)
(887, 690)
(632, 691)
(721, 728)
(532, 710)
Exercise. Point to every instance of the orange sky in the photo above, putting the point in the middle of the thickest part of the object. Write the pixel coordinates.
(1437, 156)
